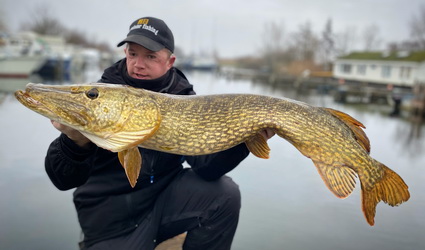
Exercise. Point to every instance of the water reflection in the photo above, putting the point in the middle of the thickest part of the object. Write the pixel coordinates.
(411, 137)
(10, 85)
(285, 203)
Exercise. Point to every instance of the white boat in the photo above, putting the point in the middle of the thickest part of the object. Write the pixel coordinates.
(20, 66)
(20, 55)
(26, 55)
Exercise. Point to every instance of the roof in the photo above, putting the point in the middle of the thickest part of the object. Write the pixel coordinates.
(413, 56)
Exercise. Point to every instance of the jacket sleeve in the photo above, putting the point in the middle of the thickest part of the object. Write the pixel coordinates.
(213, 166)
(67, 165)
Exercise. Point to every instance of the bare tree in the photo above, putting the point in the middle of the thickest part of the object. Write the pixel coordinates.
(273, 37)
(345, 41)
(327, 45)
(404, 45)
(417, 28)
(3, 25)
(43, 23)
(76, 37)
(273, 45)
(371, 41)
(417, 34)
(306, 43)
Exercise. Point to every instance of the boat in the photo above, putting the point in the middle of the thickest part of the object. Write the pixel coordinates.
(20, 55)
(20, 66)
(205, 63)
(25, 56)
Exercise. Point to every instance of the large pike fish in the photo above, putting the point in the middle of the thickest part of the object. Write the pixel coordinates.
(120, 118)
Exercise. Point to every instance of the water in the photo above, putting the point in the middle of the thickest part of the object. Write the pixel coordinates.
(285, 204)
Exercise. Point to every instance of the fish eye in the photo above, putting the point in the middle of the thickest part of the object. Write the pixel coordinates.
(92, 93)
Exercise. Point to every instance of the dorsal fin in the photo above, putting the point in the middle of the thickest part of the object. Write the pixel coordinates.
(354, 125)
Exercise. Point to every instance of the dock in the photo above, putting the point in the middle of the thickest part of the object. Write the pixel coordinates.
(345, 91)
(418, 103)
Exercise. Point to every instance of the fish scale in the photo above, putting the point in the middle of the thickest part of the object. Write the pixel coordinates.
(121, 118)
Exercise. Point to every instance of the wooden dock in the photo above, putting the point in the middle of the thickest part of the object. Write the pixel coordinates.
(418, 103)
(369, 93)
(398, 97)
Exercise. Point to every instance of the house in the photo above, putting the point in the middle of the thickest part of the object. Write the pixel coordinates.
(401, 68)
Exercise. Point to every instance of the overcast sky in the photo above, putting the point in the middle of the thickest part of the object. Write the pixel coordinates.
(232, 27)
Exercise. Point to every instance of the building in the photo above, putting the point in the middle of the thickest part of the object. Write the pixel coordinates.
(401, 68)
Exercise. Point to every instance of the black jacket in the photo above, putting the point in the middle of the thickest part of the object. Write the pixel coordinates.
(106, 204)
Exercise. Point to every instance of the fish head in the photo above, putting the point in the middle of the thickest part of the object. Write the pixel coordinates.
(113, 116)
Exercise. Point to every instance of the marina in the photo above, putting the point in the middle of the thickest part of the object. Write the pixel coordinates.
(365, 59)
(284, 199)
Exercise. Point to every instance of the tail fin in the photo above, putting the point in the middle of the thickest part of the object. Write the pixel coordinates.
(391, 189)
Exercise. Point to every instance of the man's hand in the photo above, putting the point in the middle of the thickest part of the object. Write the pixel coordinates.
(72, 134)
(267, 133)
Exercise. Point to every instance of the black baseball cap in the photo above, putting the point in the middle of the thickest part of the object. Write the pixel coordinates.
(151, 33)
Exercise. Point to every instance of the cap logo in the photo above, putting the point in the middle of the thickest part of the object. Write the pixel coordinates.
(143, 24)
(143, 21)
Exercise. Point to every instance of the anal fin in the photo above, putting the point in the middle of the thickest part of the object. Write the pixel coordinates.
(339, 179)
(131, 160)
(258, 146)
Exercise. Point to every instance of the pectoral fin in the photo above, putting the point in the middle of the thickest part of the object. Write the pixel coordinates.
(119, 141)
(339, 179)
(132, 128)
(131, 160)
(257, 145)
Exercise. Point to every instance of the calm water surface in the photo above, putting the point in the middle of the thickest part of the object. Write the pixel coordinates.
(285, 204)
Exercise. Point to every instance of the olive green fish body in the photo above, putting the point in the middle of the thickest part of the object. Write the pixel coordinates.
(121, 118)
(196, 125)
(207, 124)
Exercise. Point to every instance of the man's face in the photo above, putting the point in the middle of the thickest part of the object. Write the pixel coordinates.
(146, 64)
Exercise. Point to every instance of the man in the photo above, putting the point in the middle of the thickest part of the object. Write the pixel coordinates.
(167, 200)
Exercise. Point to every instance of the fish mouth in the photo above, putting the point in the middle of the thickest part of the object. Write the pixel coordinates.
(29, 99)
(26, 99)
